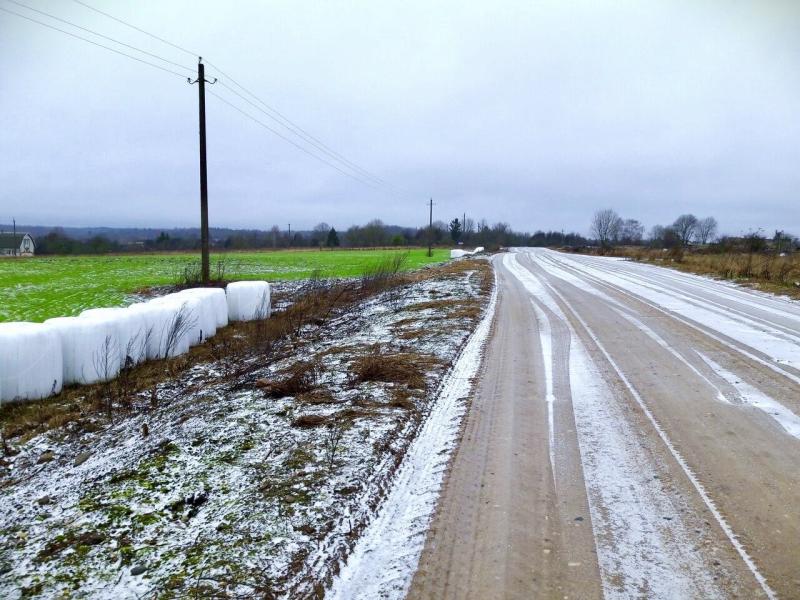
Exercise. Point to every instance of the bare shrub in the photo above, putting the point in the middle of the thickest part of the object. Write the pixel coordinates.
(332, 442)
(106, 365)
(178, 327)
(188, 275)
(379, 276)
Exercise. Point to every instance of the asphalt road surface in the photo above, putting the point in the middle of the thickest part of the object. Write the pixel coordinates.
(634, 433)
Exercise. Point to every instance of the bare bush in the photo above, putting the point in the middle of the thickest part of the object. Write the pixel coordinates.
(106, 365)
(178, 327)
(332, 442)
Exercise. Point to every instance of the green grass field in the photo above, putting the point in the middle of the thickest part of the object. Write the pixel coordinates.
(35, 289)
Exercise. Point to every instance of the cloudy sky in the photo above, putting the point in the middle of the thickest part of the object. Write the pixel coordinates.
(532, 112)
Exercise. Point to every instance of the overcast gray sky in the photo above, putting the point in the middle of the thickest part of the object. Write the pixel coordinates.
(534, 113)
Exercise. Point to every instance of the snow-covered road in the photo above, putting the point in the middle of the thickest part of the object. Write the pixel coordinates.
(635, 433)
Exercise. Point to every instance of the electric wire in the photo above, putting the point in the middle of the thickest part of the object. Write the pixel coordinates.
(105, 37)
(69, 33)
(271, 112)
(155, 37)
(251, 103)
(292, 142)
(274, 114)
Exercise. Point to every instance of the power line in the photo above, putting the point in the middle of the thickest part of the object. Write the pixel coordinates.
(155, 37)
(300, 133)
(182, 76)
(277, 116)
(358, 175)
(292, 142)
(41, 12)
(271, 112)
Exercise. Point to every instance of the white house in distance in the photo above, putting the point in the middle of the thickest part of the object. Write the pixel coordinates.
(21, 244)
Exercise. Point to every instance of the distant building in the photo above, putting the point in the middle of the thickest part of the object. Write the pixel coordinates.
(21, 244)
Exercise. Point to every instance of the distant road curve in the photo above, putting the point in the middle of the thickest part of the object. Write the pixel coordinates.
(634, 433)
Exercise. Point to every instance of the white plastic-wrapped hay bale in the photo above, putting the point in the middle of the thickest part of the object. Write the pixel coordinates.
(130, 330)
(184, 328)
(213, 310)
(248, 300)
(156, 320)
(31, 363)
(84, 349)
(220, 303)
(478, 250)
(458, 253)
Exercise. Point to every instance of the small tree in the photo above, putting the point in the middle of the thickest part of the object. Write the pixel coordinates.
(333, 239)
(706, 230)
(455, 230)
(685, 227)
(318, 234)
(631, 232)
(606, 226)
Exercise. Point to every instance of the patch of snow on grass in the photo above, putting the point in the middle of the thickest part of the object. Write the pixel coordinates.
(385, 557)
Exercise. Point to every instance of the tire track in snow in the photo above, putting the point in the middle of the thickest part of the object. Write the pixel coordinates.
(699, 488)
(638, 551)
(779, 347)
(754, 397)
(739, 347)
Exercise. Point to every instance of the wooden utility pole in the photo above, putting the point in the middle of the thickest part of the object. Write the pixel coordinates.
(14, 241)
(430, 229)
(290, 235)
(204, 237)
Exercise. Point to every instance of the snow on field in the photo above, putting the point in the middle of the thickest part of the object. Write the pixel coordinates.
(386, 555)
(211, 485)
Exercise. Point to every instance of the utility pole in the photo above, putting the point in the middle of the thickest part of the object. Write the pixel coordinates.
(204, 241)
(290, 235)
(14, 239)
(430, 229)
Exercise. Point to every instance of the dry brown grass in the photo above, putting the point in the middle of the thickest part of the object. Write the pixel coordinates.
(406, 368)
(309, 421)
(316, 396)
(300, 378)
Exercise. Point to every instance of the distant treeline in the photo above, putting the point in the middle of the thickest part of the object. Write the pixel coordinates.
(609, 229)
(373, 234)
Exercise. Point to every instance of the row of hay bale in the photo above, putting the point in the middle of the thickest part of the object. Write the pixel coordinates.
(458, 253)
(37, 359)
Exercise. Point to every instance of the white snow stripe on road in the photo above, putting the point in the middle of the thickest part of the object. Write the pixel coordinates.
(705, 330)
(751, 395)
(546, 342)
(726, 528)
(635, 544)
(779, 348)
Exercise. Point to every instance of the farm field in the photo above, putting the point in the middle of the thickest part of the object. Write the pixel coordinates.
(36, 289)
